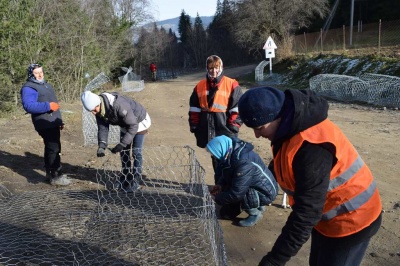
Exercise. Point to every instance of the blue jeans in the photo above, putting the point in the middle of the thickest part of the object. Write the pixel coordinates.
(327, 251)
(136, 147)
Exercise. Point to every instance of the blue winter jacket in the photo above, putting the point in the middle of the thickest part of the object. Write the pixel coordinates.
(245, 178)
(36, 98)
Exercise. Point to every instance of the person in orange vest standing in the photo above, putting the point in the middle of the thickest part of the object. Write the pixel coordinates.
(332, 192)
(213, 105)
(153, 70)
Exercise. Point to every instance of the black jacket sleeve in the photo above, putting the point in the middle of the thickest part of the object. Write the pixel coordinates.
(311, 166)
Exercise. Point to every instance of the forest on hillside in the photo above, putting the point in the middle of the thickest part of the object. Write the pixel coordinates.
(75, 40)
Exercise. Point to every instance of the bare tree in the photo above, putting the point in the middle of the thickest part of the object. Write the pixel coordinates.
(135, 11)
(258, 19)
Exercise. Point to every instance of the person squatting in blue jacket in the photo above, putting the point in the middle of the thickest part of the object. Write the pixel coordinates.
(40, 100)
(244, 182)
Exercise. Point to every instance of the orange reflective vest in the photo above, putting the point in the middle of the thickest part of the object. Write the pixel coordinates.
(352, 201)
(221, 99)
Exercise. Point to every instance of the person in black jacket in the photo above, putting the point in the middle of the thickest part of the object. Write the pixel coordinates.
(134, 121)
(243, 180)
(213, 105)
(40, 100)
(332, 192)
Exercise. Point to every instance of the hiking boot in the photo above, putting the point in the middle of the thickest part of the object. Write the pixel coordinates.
(254, 216)
(48, 177)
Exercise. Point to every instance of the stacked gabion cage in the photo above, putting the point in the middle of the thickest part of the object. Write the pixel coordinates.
(381, 90)
(170, 220)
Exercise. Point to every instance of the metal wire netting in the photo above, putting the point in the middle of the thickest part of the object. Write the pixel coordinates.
(89, 125)
(376, 89)
(171, 220)
(130, 81)
(259, 71)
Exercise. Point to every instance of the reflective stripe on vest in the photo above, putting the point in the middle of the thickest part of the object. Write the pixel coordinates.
(341, 179)
(221, 98)
(352, 204)
(346, 175)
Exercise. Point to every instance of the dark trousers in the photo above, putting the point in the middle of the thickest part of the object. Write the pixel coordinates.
(52, 148)
(327, 251)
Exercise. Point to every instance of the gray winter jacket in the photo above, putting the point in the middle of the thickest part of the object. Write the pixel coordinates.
(122, 111)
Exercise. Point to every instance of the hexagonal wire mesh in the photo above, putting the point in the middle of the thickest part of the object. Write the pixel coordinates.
(130, 81)
(259, 71)
(89, 125)
(382, 90)
(171, 220)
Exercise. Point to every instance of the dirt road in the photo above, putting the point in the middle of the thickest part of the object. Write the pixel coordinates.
(374, 132)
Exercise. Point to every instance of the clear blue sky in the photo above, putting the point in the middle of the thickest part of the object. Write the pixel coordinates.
(172, 8)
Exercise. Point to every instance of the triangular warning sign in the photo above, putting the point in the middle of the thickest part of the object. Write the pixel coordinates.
(270, 44)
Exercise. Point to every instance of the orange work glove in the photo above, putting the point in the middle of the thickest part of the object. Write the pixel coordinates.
(54, 106)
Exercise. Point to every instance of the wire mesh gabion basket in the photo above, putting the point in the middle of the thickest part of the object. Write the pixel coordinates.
(89, 125)
(376, 89)
(170, 220)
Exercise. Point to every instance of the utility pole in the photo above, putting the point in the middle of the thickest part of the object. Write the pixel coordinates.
(351, 22)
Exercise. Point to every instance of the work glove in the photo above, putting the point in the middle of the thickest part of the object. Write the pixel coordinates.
(62, 126)
(54, 106)
(101, 152)
(117, 148)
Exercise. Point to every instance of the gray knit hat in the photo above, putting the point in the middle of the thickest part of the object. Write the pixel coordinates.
(90, 100)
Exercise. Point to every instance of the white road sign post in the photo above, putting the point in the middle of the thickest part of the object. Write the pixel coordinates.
(269, 48)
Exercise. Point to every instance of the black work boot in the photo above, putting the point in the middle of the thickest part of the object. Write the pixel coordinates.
(48, 176)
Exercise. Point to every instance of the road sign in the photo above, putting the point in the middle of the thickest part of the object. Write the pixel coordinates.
(270, 44)
(269, 53)
(269, 48)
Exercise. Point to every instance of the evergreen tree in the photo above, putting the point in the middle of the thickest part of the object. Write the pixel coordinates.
(199, 41)
(185, 32)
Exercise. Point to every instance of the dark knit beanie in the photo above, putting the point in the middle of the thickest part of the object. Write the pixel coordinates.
(259, 106)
